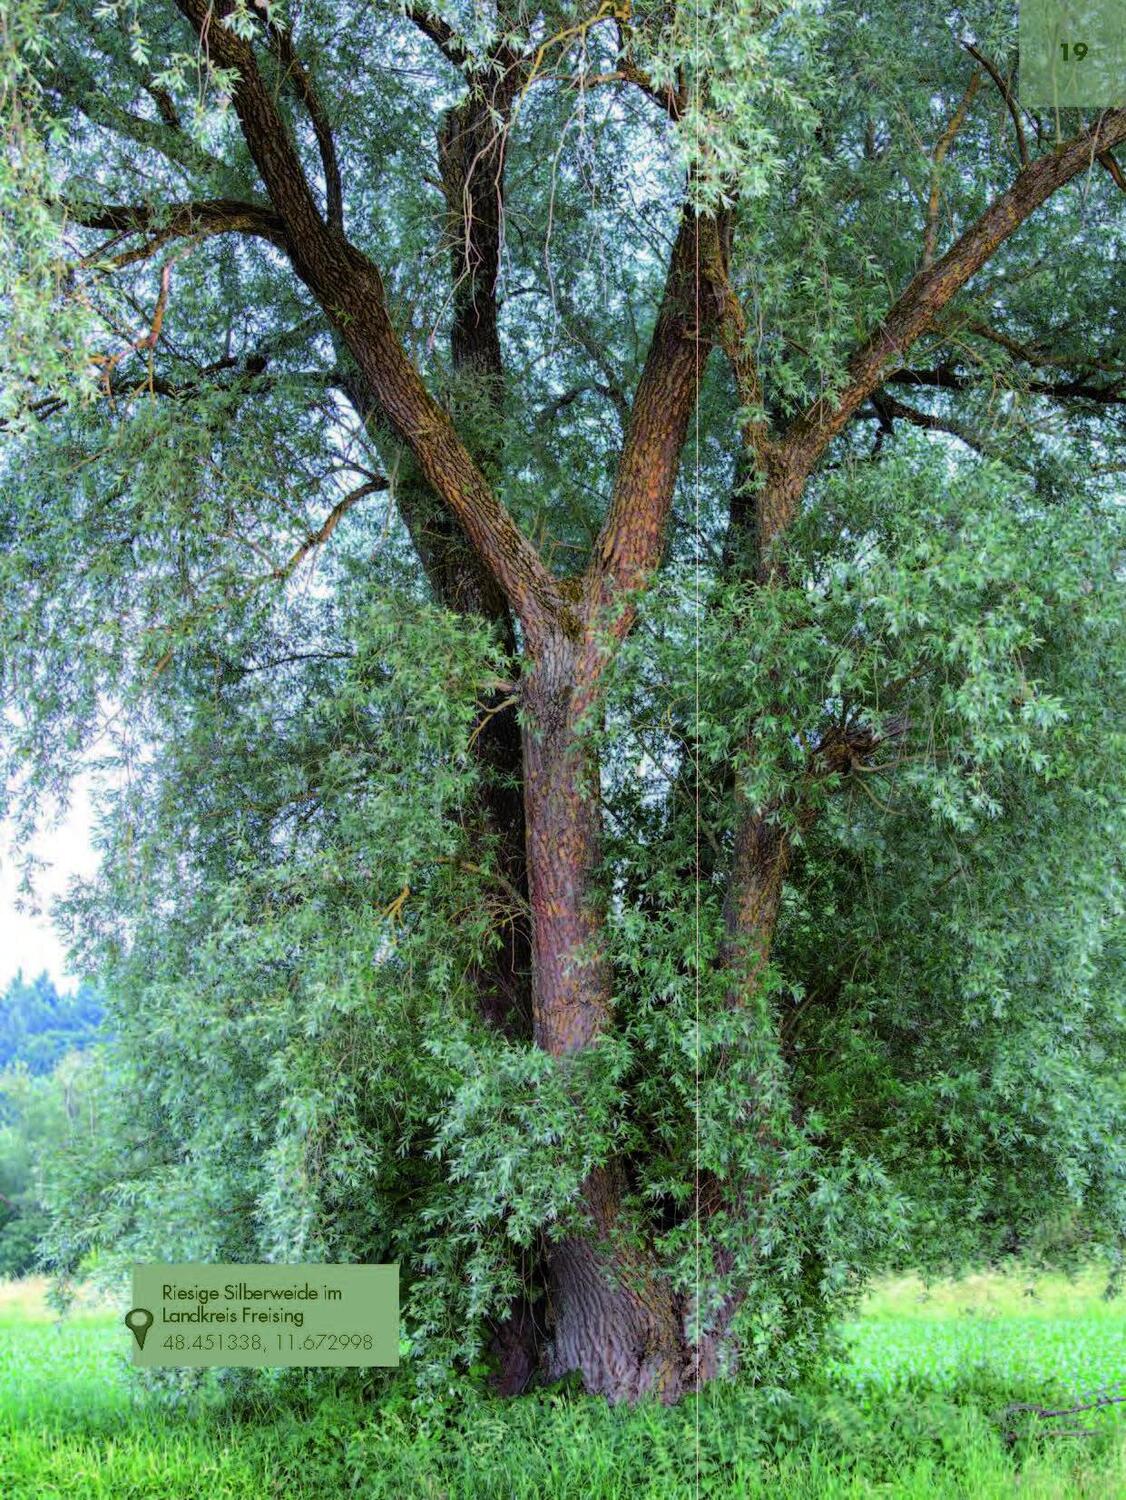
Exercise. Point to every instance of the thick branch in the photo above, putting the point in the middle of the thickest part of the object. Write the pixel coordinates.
(274, 153)
(455, 572)
(350, 289)
(888, 410)
(1108, 160)
(223, 375)
(442, 457)
(633, 535)
(444, 37)
(297, 76)
(734, 335)
(471, 156)
(926, 295)
(946, 379)
(176, 221)
(673, 100)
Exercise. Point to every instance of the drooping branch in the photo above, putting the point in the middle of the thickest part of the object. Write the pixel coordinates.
(331, 522)
(1007, 94)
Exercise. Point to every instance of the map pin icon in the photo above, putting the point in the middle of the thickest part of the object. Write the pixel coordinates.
(139, 1320)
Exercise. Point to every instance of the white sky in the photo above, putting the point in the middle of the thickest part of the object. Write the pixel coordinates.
(29, 941)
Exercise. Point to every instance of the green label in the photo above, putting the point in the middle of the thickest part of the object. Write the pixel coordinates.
(194, 1314)
(1072, 53)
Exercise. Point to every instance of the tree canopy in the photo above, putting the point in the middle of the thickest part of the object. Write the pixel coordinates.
(589, 540)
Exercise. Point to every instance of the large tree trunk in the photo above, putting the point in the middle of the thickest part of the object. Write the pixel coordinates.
(612, 1316)
(570, 979)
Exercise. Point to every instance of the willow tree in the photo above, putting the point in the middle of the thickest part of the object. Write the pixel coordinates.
(587, 536)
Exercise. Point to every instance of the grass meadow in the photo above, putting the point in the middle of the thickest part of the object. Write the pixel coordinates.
(917, 1409)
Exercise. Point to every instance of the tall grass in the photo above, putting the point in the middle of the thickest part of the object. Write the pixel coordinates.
(916, 1411)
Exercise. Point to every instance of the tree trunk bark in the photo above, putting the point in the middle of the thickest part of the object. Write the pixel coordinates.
(611, 1315)
(753, 899)
(570, 977)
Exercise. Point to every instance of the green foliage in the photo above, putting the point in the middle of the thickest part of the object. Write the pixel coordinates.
(935, 1056)
(46, 331)
(43, 1115)
(307, 1074)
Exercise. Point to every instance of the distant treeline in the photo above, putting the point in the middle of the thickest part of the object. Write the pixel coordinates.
(38, 1025)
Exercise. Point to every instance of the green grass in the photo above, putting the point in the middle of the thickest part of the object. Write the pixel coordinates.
(1021, 1330)
(912, 1413)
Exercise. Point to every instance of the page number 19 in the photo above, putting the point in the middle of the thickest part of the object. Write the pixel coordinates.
(1074, 50)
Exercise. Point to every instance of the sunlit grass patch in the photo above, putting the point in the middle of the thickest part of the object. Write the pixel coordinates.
(27, 1301)
(991, 1294)
(1010, 1328)
(916, 1412)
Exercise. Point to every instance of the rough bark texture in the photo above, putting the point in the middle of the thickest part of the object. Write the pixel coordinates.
(633, 536)
(612, 1315)
(754, 895)
(570, 980)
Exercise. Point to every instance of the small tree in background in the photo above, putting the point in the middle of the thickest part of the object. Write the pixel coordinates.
(43, 1116)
